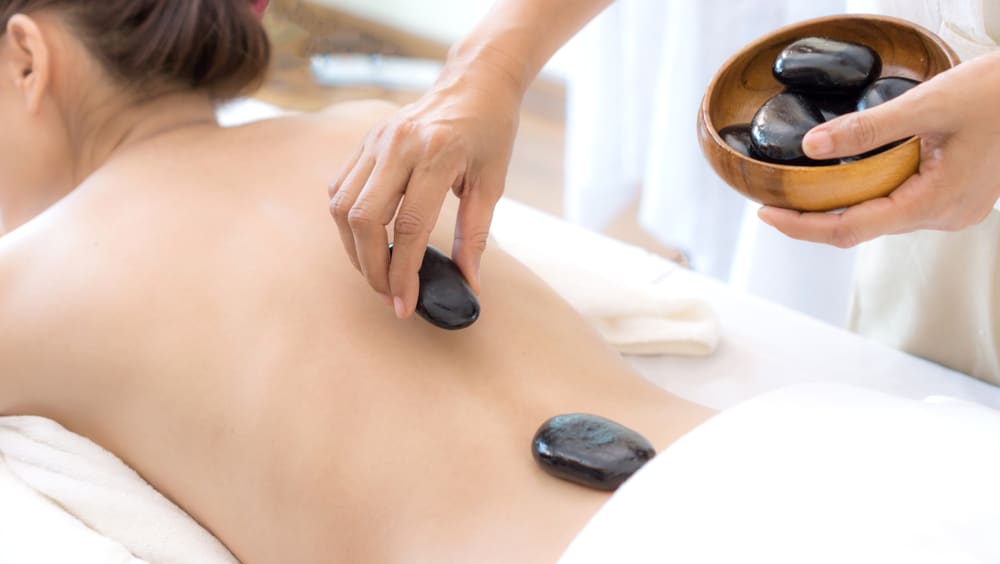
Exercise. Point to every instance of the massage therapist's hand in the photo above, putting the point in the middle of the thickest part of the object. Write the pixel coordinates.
(957, 116)
(457, 137)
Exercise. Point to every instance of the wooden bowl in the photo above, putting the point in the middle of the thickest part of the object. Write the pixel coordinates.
(745, 82)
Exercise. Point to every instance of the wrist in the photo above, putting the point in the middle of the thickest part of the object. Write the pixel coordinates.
(489, 65)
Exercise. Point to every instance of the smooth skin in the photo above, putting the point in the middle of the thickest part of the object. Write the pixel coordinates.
(957, 116)
(458, 137)
(170, 293)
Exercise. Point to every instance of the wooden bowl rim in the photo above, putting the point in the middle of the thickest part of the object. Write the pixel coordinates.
(706, 116)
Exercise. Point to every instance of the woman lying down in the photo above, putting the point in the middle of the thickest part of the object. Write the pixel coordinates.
(177, 293)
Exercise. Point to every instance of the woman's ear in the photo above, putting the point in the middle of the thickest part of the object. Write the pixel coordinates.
(27, 62)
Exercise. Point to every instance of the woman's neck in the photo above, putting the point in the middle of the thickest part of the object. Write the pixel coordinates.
(117, 129)
(107, 129)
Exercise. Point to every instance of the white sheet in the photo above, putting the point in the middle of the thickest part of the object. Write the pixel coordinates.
(764, 347)
(815, 473)
(95, 495)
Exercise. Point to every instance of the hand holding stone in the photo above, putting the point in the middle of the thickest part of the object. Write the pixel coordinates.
(958, 119)
(458, 137)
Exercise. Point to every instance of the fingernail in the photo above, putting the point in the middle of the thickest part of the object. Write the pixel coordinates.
(387, 299)
(818, 144)
(400, 308)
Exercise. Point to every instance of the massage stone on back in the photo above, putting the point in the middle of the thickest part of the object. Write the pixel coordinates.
(445, 299)
(589, 450)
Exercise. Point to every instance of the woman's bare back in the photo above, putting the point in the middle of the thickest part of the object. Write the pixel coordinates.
(190, 307)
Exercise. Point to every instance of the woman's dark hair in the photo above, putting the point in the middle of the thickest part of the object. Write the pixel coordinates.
(154, 46)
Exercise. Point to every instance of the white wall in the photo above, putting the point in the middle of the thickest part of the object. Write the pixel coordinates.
(441, 20)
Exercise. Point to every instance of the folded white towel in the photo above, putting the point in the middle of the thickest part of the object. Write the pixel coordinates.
(61, 494)
(636, 318)
(34, 530)
(614, 286)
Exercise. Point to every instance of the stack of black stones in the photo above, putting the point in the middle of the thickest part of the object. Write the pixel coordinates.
(824, 79)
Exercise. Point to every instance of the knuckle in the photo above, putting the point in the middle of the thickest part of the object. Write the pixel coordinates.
(862, 130)
(844, 236)
(360, 218)
(399, 134)
(409, 223)
(438, 140)
(340, 206)
(374, 136)
(476, 241)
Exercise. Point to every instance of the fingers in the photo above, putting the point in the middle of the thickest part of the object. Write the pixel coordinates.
(417, 216)
(897, 213)
(343, 193)
(472, 231)
(860, 132)
(371, 213)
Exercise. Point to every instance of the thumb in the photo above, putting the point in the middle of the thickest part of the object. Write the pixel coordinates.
(860, 132)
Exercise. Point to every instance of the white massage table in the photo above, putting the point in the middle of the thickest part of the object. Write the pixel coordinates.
(763, 347)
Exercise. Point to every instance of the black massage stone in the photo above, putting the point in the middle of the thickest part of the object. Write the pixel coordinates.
(589, 450)
(820, 64)
(445, 299)
(738, 137)
(780, 125)
(883, 90)
(832, 106)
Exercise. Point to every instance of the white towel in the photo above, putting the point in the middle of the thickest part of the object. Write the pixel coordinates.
(34, 530)
(821, 473)
(636, 318)
(619, 289)
(65, 499)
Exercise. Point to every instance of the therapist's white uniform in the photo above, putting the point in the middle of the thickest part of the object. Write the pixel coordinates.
(934, 294)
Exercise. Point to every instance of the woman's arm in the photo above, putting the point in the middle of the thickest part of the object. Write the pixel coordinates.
(457, 137)
(958, 118)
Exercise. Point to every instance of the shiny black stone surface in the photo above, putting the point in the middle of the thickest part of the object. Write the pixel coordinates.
(883, 90)
(820, 64)
(445, 299)
(738, 137)
(590, 450)
(832, 106)
(780, 125)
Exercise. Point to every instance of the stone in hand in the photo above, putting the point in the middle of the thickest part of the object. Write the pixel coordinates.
(820, 64)
(589, 450)
(738, 137)
(883, 90)
(779, 127)
(445, 298)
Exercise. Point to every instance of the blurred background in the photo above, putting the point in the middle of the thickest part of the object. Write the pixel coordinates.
(607, 137)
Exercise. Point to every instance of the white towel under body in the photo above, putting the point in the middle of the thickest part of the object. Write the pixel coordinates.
(63, 494)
